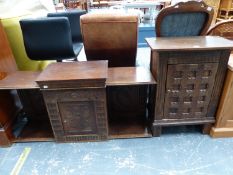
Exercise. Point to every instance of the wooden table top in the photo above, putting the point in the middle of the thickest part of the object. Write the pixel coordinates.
(129, 76)
(189, 43)
(87, 70)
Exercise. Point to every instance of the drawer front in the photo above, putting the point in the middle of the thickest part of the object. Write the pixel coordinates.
(188, 90)
(77, 115)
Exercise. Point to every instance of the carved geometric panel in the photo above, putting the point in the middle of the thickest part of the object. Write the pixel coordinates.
(188, 90)
(78, 117)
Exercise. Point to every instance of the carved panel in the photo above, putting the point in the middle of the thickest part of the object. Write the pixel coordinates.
(188, 90)
(77, 115)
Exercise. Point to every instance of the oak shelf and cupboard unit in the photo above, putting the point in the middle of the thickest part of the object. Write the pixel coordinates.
(74, 94)
(190, 73)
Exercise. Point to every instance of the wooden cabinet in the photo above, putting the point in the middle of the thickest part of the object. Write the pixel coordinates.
(75, 97)
(189, 73)
(224, 117)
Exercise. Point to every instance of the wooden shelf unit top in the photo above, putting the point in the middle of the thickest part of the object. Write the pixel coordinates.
(189, 43)
(19, 80)
(116, 77)
(129, 76)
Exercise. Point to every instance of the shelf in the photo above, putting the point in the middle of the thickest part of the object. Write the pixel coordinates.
(128, 128)
(36, 130)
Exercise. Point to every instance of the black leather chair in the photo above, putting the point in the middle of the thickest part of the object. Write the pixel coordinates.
(74, 19)
(48, 39)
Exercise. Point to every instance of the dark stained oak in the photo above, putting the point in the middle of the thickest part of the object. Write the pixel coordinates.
(75, 97)
(190, 73)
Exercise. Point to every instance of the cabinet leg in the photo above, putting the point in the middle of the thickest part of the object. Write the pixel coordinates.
(156, 131)
(206, 128)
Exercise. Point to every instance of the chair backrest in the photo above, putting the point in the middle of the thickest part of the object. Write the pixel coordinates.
(111, 37)
(74, 19)
(223, 29)
(189, 18)
(47, 38)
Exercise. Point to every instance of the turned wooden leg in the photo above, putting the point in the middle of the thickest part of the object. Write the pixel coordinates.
(206, 128)
(156, 131)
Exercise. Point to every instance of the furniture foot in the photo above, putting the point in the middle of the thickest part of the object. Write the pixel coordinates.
(156, 131)
(206, 128)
